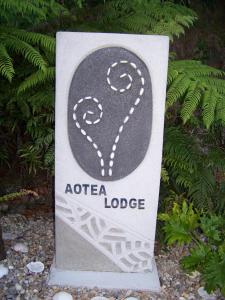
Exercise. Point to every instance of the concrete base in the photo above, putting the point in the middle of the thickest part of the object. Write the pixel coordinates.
(107, 280)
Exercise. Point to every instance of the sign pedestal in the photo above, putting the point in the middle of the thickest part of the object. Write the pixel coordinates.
(110, 99)
(107, 280)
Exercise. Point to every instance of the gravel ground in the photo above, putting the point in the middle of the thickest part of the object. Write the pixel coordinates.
(38, 234)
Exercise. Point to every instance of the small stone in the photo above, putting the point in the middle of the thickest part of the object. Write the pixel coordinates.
(20, 247)
(11, 267)
(177, 285)
(193, 275)
(18, 287)
(35, 267)
(7, 236)
(128, 293)
(202, 293)
(62, 296)
(3, 271)
(131, 298)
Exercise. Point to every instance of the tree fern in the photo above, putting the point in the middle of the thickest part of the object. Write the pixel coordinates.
(199, 88)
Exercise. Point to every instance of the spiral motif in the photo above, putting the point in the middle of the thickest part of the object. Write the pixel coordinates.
(88, 121)
(132, 109)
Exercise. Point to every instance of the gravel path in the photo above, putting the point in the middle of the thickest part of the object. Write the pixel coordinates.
(38, 235)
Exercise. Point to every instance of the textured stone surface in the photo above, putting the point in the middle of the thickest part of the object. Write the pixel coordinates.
(121, 100)
(74, 252)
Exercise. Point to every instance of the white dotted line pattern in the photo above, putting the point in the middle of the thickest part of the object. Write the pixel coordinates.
(87, 121)
(131, 111)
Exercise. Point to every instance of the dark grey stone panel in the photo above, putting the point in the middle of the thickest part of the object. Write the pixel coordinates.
(110, 113)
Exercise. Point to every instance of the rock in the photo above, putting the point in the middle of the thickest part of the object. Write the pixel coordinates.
(3, 271)
(202, 293)
(131, 298)
(35, 267)
(18, 287)
(20, 247)
(62, 296)
(7, 236)
(193, 275)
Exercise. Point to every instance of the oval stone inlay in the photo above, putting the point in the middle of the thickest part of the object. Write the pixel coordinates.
(110, 113)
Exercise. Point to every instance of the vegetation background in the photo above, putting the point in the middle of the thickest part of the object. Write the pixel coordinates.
(193, 170)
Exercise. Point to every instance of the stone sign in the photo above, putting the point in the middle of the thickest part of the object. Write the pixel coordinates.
(110, 98)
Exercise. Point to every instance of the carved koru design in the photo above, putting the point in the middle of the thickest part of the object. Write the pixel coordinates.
(129, 251)
(89, 122)
(115, 117)
(132, 108)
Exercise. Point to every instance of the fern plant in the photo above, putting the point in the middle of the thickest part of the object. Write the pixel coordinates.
(137, 16)
(16, 42)
(193, 167)
(198, 90)
(205, 235)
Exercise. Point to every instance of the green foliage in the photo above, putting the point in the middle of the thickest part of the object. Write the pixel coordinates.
(180, 223)
(205, 235)
(16, 42)
(193, 166)
(26, 110)
(135, 16)
(199, 89)
(193, 161)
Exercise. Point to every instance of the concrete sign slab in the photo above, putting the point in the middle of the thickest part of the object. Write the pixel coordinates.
(110, 98)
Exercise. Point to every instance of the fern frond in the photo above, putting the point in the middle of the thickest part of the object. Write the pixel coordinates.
(178, 150)
(21, 7)
(146, 16)
(33, 38)
(36, 79)
(212, 82)
(209, 106)
(191, 102)
(27, 51)
(199, 88)
(177, 89)
(6, 66)
(202, 188)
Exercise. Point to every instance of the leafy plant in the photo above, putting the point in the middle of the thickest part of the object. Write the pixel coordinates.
(193, 167)
(199, 89)
(28, 58)
(137, 16)
(205, 236)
